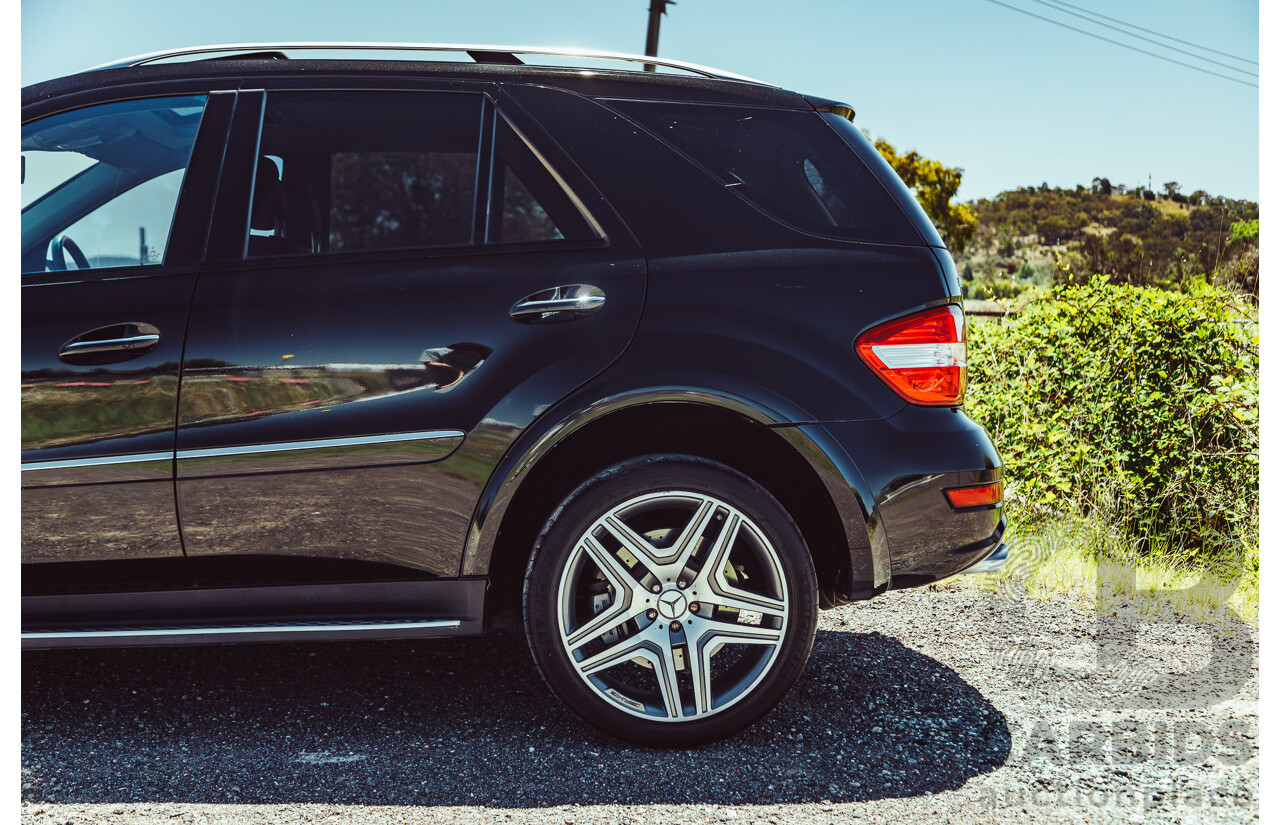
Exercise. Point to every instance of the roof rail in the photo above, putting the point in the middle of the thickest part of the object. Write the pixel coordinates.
(481, 54)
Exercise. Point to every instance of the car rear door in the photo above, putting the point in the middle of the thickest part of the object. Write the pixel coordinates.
(115, 209)
(400, 281)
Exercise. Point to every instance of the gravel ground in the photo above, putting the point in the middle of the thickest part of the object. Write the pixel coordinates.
(918, 706)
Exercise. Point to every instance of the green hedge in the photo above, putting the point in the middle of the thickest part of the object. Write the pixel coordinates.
(1132, 402)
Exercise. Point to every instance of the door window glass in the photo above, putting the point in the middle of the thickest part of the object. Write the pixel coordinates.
(130, 230)
(346, 171)
(100, 185)
(523, 218)
(530, 202)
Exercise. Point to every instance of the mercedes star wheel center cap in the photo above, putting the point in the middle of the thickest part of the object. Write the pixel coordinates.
(672, 604)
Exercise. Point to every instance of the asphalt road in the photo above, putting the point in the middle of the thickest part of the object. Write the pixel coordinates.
(920, 705)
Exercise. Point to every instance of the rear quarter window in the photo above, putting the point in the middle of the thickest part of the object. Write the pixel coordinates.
(788, 163)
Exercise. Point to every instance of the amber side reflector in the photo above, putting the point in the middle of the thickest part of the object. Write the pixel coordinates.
(976, 496)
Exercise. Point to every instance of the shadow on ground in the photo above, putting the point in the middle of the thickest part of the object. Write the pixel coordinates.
(469, 722)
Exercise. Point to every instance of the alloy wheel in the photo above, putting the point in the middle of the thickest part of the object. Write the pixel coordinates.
(672, 605)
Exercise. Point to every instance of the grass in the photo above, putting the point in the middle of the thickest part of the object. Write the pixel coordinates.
(1168, 207)
(1095, 569)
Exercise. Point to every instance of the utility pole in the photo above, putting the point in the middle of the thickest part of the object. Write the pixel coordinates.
(657, 8)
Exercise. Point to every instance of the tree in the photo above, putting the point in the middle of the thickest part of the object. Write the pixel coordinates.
(1171, 188)
(1120, 256)
(934, 186)
(1101, 186)
(1163, 247)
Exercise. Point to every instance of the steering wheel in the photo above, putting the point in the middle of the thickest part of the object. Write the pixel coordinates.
(64, 246)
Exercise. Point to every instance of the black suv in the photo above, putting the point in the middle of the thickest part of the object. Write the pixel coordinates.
(656, 363)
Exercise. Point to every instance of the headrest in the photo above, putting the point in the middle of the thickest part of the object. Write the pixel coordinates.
(268, 196)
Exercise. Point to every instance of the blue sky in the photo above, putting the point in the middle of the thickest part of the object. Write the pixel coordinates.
(1013, 100)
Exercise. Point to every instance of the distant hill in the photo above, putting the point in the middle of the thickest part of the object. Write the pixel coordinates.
(1035, 235)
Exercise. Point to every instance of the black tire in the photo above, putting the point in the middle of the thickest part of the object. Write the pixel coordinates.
(730, 660)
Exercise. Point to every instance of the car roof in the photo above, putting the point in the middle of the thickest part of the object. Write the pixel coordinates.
(622, 76)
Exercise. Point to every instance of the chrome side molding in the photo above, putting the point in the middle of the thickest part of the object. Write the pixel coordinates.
(447, 437)
(235, 630)
(322, 444)
(105, 461)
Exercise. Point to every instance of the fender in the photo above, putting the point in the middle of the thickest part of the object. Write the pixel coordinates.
(846, 484)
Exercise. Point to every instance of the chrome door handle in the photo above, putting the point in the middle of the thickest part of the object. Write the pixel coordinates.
(111, 344)
(581, 305)
(561, 303)
(136, 342)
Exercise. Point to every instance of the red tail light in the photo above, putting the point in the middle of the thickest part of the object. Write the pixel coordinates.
(921, 356)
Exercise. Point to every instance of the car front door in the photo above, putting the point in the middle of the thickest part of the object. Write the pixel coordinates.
(404, 279)
(116, 201)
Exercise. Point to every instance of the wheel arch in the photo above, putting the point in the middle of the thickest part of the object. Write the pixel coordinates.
(828, 508)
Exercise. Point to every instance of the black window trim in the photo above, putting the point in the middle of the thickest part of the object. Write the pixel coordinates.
(408, 253)
(484, 172)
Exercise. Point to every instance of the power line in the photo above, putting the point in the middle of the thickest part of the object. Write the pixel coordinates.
(1192, 55)
(1157, 34)
(1123, 45)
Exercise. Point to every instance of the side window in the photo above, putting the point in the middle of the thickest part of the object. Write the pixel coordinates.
(352, 170)
(789, 163)
(529, 202)
(100, 185)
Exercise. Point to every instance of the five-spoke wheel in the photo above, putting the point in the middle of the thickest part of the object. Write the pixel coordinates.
(671, 600)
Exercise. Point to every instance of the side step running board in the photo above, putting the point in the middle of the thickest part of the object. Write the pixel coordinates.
(273, 613)
(276, 631)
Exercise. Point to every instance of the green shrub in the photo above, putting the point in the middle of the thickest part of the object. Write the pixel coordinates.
(1132, 403)
(1243, 230)
(993, 288)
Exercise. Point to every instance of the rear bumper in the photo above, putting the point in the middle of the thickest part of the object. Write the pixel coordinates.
(905, 463)
(991, 563)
